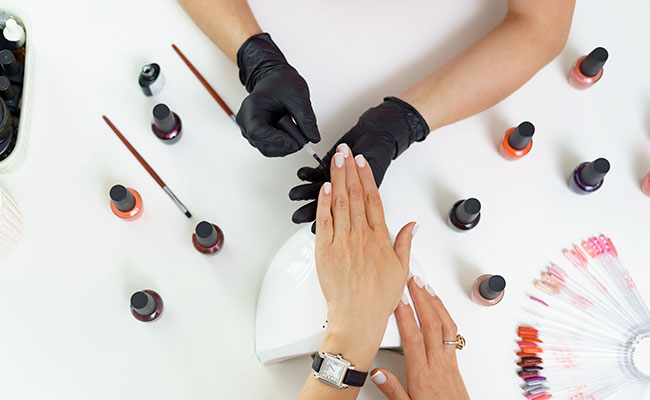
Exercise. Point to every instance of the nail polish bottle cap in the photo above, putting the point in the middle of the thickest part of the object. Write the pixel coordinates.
(521, 136)
(468, 210)
(163, 118)
(206, 235)
(492, 287)
(6, 90)
(122, 198)
(594, 172)
(149, 72)
(8, 62)
(593, 63)
(13, 32)
(143, 303)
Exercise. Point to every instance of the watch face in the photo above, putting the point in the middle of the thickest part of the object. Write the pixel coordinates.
(333, 370)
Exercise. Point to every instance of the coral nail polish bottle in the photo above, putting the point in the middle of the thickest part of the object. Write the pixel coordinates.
(589, 176)
(645, 185)
(207, 238)
(126, 203)
(588, 69)
(465, 214)
(146, 305)
(517, 141)
(488, 290)
(166, 125)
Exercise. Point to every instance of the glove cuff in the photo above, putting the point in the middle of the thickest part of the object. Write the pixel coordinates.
(258, 56)
(401, 121)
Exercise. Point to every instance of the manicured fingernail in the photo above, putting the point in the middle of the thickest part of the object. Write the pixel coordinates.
(429, 290)
(327, 188)
(361, 161)
(405, 300)
(379, 378)
(418, 281)
(339, 159)
(343, 148)
(415, 229)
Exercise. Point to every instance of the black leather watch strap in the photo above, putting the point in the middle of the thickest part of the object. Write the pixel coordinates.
(355, 378)
(318, 361)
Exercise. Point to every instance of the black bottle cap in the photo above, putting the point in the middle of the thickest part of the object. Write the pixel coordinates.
(122, 198)
(163, 118)
(593, 63)
(468, 210)
(6, 90)
(492, 287)
(594, 172)
(143, 303)
(8, 63)
(149, 73)
(206, 235)
(521, 136)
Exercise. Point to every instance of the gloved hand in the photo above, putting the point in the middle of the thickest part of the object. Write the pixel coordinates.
(276, 90)
(381, 135)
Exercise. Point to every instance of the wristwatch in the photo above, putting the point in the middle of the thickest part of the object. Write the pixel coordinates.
(335, 371)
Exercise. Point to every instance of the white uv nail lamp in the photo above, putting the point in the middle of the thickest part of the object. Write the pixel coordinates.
(291, 310)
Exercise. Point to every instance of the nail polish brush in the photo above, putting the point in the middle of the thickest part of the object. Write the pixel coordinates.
(286, 123)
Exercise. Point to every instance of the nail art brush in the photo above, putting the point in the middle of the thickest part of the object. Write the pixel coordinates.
(285, 123)
(150, 170)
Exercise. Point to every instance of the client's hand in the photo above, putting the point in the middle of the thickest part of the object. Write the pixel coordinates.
(431, 367)
(362, 274)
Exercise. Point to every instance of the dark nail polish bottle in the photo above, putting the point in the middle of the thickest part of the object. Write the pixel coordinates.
(12, 68)
(10, 94)
(208, 238)
(589, 176)
(517, 141)
(151, 79)
(126, 203)
(166, 125)
(588, 69)
(7, 131)
(146, 306)
(488, 290)
(465, 214)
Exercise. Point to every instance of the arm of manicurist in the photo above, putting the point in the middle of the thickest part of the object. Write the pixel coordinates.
(530, 36)
(276, 88)
(228, 23)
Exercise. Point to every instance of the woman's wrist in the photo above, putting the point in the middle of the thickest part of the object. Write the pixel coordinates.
(359, 345)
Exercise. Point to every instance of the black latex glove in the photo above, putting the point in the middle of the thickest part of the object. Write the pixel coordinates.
(381, 135)
(276, 90)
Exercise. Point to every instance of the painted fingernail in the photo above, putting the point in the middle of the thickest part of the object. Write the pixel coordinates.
(415, 229)
(429, 290)
(361, 161)
(379, 378)
(327, 188)
(339, 159)
(405, 300)
(343, 148)
(418, 281)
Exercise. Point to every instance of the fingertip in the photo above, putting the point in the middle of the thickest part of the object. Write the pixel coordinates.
(378, 377)
(327, 188)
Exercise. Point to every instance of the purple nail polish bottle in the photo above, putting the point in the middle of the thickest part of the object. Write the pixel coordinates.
(589, 176)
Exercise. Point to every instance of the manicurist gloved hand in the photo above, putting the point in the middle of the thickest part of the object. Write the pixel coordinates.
(381, 135)
(276, 90)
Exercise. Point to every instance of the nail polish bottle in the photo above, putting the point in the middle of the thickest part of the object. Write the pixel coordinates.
(10, 94)
(465, 214)
(7, 131)
(146, 305)
(488, 290)
(645, 185)
(14, 36)
(517, 141)
(166, 125)
(126, 203)
(151, 79)
(588, 69)
(208, 238)
(589, 176)
(12, 68)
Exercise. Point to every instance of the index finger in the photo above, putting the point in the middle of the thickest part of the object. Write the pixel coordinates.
(374, 206)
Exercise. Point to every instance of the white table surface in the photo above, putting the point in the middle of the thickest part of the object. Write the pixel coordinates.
(66, 330)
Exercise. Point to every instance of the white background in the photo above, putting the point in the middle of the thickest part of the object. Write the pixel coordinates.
(65, 327)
